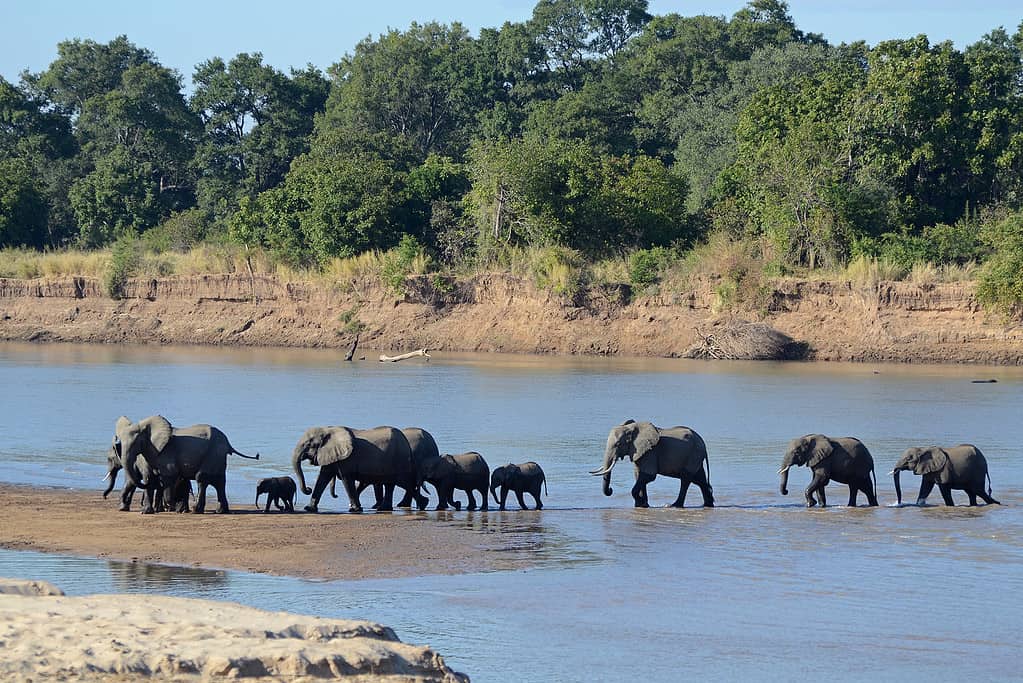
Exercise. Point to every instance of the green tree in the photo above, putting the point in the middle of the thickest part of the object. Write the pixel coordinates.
(23, 210)
(118, 197)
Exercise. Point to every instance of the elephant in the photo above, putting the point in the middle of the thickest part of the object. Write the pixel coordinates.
(278, 490)
(961, 467)
(372, 456)
(676, 452)
(524, 478)
(198, 452)
(423, 448)
(182, 488)
(466, 471)
(846, 460)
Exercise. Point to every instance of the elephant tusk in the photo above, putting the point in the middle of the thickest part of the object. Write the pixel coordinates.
(603, 470)
(892, 472)
(105, 478)
(783, 470)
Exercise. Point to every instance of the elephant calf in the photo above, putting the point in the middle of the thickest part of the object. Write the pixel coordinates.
(845, 460)
(466, 471)
(525, 478)
(962, 467)
(278, 490)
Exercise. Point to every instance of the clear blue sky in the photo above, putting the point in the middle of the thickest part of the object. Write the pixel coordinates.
(183, 33)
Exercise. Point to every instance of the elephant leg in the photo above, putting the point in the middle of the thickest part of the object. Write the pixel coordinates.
(323, 480)
(639, 489)
(127, 493)
(472, 499)
(378, 496)
(700, 479)
(220, 486)
(522, 501)
(353, 493)
(972, 495)
(852, 495)
(817, 485)
(385, 504)
(946, 494)
(926, 486)
(868, 490)
(683, 488)
(536, 497)
(986, 497)
(267, 508)
(443, 496)
(485, 505)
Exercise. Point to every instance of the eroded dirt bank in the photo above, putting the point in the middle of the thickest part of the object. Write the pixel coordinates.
(892, 321)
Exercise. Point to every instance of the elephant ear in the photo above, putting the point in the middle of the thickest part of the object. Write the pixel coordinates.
(820, 450)
(122, 424)
(159, 430)
(338, 446)
(931, 461)
(646, 438)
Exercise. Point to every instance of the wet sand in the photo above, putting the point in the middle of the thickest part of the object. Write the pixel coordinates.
(314, 546)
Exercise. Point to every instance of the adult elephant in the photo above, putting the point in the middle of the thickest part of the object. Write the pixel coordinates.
(195, 453)
(961, 467)
(128, 491)
(676, 452)
(424, 449)
(372, 456)
(846, 460)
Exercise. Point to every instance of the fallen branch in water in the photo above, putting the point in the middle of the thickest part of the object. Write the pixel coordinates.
(410, 354)
(351, 351)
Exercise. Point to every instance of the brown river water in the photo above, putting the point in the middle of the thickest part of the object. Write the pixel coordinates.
(759, 588)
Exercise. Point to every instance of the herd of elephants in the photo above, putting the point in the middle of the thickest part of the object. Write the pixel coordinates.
(163, 460)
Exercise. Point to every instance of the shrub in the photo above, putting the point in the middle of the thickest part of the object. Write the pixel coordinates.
(125, 259)
(645, 265)
(1001, 278)
(408, 258)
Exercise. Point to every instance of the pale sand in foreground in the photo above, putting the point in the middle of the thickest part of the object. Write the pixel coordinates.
(324, 546)
(115, 638)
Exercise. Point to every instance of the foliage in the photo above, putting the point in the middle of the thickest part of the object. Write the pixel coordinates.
(645, 265)
(408, 258)
(350, 323)
(125, 259)
(22, 206)
(1001, 278)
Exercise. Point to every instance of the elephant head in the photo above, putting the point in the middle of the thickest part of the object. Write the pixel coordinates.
(810, 450)
(113, 467)
(321, 446)
(930, 460)
(146, 437)
(266, 486)
(632, 439)
(500, 476)
(434, 469)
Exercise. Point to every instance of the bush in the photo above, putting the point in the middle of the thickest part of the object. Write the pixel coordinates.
(1001, 278)
(900, 249)
(180, 232)
(408, 258)
(959, 243)
(125, 259)
(645, 265)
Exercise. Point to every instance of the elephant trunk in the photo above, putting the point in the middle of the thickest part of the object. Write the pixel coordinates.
(493, 491)
(112, 476)
(258, 494)
(898, 488)
(296, 461)
(610, 459)
(786, 465)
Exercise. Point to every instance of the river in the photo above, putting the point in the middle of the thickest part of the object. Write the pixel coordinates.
(759, 587)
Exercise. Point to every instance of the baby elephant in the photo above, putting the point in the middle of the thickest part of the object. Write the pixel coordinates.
(466, 471)
(278, 490)
(524, 478)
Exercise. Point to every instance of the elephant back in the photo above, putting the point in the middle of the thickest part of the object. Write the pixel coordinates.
(389, 443)
(421, 443)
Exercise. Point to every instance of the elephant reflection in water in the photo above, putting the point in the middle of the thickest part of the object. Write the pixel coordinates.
(130, 576)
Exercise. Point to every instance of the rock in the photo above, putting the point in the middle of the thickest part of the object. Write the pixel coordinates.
(47, 635)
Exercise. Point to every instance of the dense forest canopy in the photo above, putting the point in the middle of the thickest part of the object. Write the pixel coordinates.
(593, 126)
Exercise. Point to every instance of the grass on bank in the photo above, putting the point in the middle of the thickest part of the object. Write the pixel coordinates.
(738, 271)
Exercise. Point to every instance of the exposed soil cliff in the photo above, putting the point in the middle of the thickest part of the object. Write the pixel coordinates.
(892, 321)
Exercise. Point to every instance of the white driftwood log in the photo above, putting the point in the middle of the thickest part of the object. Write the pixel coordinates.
(410, 354)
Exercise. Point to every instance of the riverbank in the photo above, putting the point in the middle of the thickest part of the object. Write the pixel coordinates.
(839, 321)
(322, 546)
(115, 638)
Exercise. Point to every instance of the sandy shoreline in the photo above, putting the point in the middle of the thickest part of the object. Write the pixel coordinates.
(323, 546)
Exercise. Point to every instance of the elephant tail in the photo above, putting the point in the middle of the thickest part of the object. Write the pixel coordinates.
(545, 486)
(250, 457)
(988, 475)
(874, 477)
(706, 461)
